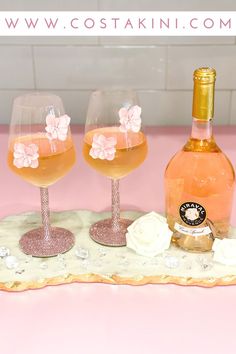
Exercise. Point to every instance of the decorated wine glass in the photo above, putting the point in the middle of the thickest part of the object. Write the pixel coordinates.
(114, 145)
(41, 151)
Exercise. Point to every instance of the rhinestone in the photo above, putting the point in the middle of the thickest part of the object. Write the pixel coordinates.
(60, 257)
(204, 263)
(28, 259)
(171, 262)
(84, 263)
(81, 253)
(102, 252)
(4, 252)
(20, 271)
(11, 262)
(63, 266)
(43, 265)
(188, 265)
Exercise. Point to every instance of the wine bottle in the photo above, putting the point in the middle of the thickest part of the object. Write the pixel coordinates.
(200, 179)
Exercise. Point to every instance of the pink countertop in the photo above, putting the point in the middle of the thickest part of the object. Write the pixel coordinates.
(89, 318)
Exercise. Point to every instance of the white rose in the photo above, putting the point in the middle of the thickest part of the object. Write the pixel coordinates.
(149, 235)
(225, 251)
(192, 214)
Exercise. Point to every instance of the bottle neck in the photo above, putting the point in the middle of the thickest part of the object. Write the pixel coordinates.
(201, 129)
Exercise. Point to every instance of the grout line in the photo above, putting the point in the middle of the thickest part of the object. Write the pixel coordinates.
(94, 88)
(116, 45)
(33, 63)
(166, 66)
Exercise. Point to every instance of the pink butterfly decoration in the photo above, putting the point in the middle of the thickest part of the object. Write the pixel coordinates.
(130, 119)
(26, 155)
(57, 128)
(103, 148)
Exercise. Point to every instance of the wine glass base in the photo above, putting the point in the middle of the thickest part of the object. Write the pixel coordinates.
(102, 232)
(35, 244)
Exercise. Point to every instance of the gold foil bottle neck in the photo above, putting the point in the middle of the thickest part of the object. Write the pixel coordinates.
(203, 93)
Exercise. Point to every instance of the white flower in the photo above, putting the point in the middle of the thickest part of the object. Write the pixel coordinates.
(26, 155)
(225, 251)
(149, 235)
(130, 119)
(57, 127)
(192, 214)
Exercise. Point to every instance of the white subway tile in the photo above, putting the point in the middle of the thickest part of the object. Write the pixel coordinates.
(158, 40)
(49, 5)
(183, 60)
(233, 108)
(93, 67)
(16, 67)
(175, 107)
(6, 101)
(170, 5)
(75, 103)
(53, 40)
(158, 107)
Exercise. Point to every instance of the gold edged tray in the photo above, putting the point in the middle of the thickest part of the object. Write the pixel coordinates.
(111, 265)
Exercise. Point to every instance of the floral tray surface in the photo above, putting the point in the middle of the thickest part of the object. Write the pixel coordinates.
(88, 261)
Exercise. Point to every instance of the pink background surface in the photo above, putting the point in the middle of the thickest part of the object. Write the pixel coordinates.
(89, 318)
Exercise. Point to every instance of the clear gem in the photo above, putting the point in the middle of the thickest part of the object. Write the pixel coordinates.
(61, 257)
(11, 262)
(28, 259)
(43, 265)
(188, 265)
(4, 252)
(20, 271)
(81, 253)
(63, 266)
(84, 263)
(171, 262)
(204, 263)
(102, 252)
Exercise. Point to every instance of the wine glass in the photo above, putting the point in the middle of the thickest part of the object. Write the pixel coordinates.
(41, 151)
(114, 145)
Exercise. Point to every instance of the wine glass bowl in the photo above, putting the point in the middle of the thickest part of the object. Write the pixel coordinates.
(114, 145)
(41, 151)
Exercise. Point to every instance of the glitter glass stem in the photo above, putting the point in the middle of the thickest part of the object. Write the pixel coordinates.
(115, 198)
(45, 212)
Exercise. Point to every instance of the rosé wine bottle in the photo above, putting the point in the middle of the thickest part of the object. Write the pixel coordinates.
(199, 179)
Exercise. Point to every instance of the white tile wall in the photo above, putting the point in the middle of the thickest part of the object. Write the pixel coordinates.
(93, 67)
(168, 5)
(48, 5)
(6, 101)
(183, 60)
(16, 67)
(160, 68)
(166, 40)
(175, 107)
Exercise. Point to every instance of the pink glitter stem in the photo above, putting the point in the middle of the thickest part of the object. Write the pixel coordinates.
(115, 205)
(45, 212)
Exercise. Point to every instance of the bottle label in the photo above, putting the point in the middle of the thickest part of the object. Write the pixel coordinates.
(198, 231)
(192, 214)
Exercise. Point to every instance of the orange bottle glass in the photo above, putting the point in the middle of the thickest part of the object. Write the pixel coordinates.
(199, 179)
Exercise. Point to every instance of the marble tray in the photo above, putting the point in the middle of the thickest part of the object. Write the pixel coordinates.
(91, 262)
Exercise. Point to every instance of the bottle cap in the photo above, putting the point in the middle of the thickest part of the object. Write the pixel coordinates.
(203, 94)
(205, 75)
